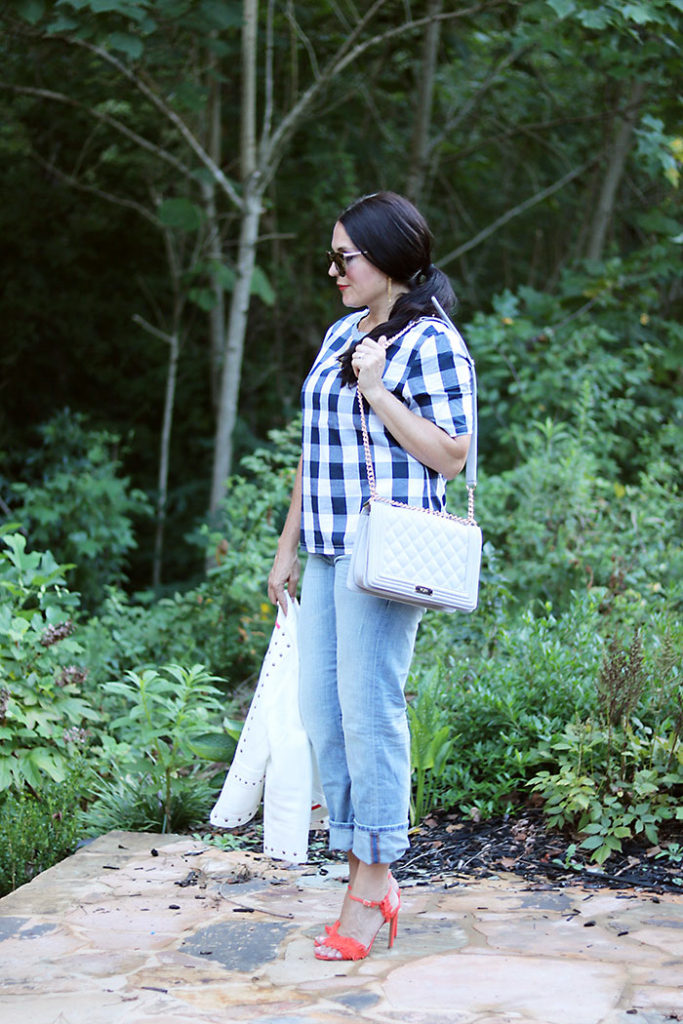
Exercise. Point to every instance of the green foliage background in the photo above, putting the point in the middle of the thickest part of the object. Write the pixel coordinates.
(579, 358)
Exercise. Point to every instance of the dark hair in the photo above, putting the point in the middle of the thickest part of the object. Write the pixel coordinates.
(394, 236)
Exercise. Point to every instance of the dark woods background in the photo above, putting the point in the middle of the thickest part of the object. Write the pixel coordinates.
(542, 140)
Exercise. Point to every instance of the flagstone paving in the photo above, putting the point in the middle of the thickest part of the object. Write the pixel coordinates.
(149, 929)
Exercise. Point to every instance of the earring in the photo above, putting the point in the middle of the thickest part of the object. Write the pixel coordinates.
(389, 293)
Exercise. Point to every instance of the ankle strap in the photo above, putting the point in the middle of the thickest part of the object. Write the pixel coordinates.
(366, 903)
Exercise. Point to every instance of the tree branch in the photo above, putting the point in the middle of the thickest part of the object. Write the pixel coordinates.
(345, 55)
(467, 108)
(514, 212)
(268, 75)
(170, 339)
(308, 46)
(273, 148)
(164, 109)
(155, 331)
(341, 16)
(113, 122)
(73, 182)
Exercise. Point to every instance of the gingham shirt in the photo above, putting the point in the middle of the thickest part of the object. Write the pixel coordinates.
(426, 368)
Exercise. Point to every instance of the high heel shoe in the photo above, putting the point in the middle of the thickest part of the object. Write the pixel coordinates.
(320, 939)
(352, 949)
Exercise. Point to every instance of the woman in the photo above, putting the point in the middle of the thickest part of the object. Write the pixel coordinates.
(356, 648)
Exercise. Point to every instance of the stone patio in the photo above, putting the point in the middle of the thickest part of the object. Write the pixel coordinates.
(150, 929)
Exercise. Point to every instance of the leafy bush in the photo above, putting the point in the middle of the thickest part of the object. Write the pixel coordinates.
(500, 695)
(619, 773)
(76, 504)
(168, 721)
(601, 337)
(502, 703)
(561, 526)
(194, 626)
(39, 829)
(44, 715)
(135, 802)
(225, 622)
(555, 706)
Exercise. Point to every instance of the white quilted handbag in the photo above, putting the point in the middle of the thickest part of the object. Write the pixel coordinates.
(414, 555)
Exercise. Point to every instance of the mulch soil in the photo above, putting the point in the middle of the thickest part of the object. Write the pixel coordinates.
(446, 846)
(448, 849)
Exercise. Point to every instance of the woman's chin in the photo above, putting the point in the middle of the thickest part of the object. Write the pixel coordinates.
(348, 300)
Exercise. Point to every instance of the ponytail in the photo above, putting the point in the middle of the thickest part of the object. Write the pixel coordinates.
(409, 306)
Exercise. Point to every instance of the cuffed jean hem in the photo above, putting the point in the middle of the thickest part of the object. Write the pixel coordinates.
(381, 844)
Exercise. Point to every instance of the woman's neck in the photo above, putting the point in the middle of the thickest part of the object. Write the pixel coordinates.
(368, 322)
(377, 315)
(373, 318)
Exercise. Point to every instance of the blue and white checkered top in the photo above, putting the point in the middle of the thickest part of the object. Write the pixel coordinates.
(427, 370)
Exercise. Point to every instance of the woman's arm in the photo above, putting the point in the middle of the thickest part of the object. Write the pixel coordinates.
(285, 572)
(420, 437)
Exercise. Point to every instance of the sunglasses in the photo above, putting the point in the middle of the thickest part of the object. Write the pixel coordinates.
(341, 259)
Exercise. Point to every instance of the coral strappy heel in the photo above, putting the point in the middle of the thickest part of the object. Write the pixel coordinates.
(352, 949)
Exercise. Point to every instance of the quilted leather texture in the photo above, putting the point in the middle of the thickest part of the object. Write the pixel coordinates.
(409, 555)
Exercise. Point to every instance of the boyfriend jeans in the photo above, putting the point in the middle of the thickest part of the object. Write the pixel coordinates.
(354, 655)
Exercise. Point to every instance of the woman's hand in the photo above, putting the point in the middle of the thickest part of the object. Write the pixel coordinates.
(368, 364)
(284, 575)
(284, 578)
(421, 438)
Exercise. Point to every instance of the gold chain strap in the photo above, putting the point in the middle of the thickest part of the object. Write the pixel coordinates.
(374, 496)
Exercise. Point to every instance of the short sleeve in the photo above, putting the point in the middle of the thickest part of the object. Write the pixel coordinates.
(440, 380)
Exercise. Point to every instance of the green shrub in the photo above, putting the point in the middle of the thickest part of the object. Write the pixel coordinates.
(169, 723)
(44, 715)
(581, 426)
(75, 503)
(559, 525)
(38, 829)
(600, 335)
(225, 622)
(136, 802)
(194, 626)
(500, 701)
(510, 718)
(619, 773)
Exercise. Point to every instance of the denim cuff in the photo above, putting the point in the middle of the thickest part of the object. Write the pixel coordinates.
(380, 844)
(373, 844)
(341, 835)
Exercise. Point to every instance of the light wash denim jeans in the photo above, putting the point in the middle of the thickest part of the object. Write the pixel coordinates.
(354, 654)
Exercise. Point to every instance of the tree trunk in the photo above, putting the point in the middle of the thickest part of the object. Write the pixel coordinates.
(232, 361)
(214, 242)
(249, 59)
(217, 313)
(173, 342)
(228, 398)
(615, 170)
(419, 150)
(164, 455)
